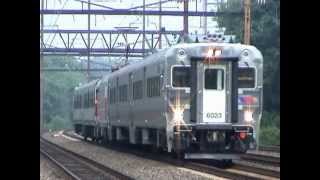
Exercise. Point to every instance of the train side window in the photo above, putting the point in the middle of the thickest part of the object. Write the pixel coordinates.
(85, 100)
(137, 90)
(181, 77)
(153, 86)
(157, 86)
(123, 92)
(88, 99)
(75, 102)
(117, 93)
(144, 86)
(246, 77)
(82, 100)
(214, 79)
(112, 95)
(78, 101)
(92, 98)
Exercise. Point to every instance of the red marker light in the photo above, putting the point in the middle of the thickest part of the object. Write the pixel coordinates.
(242, 135)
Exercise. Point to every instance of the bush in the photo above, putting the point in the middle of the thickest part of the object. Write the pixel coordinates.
(270, 128)
(270, 119)
(58, 123)
(270, 136)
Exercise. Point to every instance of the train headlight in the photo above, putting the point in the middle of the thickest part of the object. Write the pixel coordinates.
(248, 116)
(218, 52)
(178, 115)
(210, 53)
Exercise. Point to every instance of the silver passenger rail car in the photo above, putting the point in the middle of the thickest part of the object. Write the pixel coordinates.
(183, 99)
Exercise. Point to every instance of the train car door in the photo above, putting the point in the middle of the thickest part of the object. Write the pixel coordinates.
(213, 93)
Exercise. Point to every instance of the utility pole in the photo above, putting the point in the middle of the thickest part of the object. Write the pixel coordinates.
(89, 48)
(247, 21)
(160, 24)
(204, 8)
(185, 17)
(144, 27)
(41, 75)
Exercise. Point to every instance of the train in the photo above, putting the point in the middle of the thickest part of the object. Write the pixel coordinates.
(195, 100)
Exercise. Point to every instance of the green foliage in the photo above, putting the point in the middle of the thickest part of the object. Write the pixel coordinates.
(58, 90)
(270, 136)
(270, 128)
(270, 119)
(57, 122)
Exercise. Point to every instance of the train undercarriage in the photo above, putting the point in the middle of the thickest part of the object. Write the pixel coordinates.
(212, 142)
(218, 142)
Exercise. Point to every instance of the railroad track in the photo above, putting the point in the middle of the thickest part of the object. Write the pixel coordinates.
(237, 171)
(269, 148)
(263, 159)
(256, 169)
(77, 166)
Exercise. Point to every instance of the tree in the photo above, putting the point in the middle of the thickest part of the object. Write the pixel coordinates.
(58, 90)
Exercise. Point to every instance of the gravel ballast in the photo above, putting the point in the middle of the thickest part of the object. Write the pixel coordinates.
(128, 164)
(49, 171)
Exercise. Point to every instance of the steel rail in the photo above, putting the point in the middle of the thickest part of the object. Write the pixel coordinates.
(84, 162)
(271, 160)
(263, 171)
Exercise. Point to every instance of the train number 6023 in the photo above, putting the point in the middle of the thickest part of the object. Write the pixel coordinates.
(214, 115)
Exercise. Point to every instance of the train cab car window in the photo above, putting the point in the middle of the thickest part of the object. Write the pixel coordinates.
(246, 77)
(214, 79)
(181, 77)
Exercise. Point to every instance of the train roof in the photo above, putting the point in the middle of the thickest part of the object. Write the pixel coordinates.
(88, 85)
(193, 49)
(237, 49)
